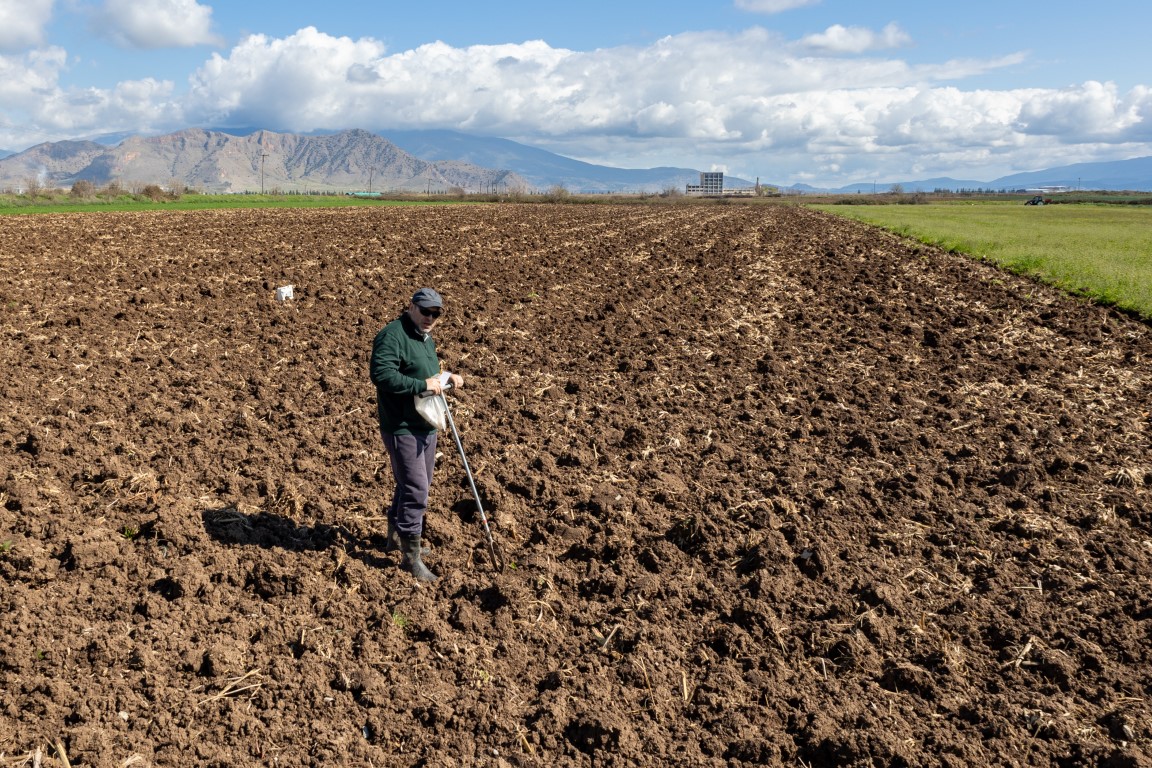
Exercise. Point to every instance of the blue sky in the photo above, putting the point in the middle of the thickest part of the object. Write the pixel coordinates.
(825, 92)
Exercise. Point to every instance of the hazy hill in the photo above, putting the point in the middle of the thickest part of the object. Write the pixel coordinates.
(214, 161)
(545, 169)
(1134, 174)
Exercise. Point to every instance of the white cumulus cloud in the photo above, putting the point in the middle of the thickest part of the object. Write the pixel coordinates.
(841, 39)
(22, 23)
(1092, 110)
(35, 108)
(679, 101)
(304, 81)
(133, 105)
(24, 79)
(152, 24)
(772, 6)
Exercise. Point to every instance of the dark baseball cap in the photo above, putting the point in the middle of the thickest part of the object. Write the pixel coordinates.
(427, 298)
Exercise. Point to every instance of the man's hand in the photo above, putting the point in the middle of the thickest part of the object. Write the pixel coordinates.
(433, 385)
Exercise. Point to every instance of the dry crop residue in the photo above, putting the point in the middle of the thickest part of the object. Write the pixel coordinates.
(775, 489)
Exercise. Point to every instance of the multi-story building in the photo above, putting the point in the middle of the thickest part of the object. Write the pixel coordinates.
(711, 183)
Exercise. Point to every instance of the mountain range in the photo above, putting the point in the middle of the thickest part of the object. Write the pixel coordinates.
(215, 161)
(545, 169)
(250, 160)
(1134, 175)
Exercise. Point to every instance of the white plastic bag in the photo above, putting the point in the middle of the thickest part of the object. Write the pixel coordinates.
(433, 409)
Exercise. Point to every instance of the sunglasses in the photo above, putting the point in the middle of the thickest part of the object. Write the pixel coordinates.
(429, 312)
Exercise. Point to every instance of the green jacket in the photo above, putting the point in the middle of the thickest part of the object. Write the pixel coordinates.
(403, 356)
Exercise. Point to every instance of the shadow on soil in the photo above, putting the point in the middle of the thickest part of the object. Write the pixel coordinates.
(228, 525)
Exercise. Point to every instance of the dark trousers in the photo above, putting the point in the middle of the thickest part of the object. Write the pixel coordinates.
(413, 458)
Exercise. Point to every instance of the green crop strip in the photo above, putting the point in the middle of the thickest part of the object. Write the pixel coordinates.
(1102, 252)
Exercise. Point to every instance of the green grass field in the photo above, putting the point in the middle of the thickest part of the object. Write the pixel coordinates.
(1102, 252)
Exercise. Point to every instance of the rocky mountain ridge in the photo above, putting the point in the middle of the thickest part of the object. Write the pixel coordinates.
(215, 161)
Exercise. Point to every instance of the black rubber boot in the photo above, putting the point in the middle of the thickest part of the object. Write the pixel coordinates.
(392, 543)
(412, 562)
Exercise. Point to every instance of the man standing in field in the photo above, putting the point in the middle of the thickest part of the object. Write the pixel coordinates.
(403, 365)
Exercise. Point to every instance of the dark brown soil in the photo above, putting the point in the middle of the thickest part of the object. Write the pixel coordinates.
(774, 488)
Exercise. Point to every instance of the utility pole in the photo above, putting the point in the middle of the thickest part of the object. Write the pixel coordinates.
(371, 171)
(262, 156)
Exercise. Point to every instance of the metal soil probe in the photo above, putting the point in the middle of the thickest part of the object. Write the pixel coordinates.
(493, 549)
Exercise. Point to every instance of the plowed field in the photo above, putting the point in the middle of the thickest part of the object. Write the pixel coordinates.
(774, 488)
